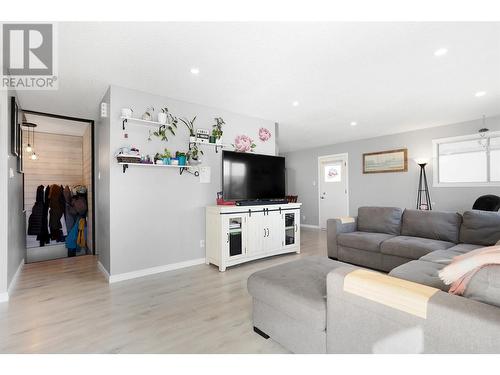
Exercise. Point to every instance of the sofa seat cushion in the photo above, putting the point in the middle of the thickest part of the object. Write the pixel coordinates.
(464, 248)
(412, 247)
(443, 257)
(363, 240)
(485, 285)
(421, 272)
(297, 289)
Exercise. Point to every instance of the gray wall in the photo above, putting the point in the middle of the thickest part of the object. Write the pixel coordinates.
(157, 217)
(385, 189)
(102, 199)
(12, 222)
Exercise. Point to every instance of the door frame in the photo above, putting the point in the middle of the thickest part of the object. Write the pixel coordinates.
(92, 142)
(343, 156)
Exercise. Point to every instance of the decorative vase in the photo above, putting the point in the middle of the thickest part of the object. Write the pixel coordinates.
(218, 141)
(182, 159)
(166, 161)
(162, 118)
(212, 139)
(127, 112)
(192, 139)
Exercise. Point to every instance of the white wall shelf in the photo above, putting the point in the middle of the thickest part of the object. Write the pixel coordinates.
(181, 168)
(216, 145)
(140, 121)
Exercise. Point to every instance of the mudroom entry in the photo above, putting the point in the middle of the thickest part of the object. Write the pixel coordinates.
(58, 179)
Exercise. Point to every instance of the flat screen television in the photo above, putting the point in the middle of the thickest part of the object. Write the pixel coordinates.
(252, 176)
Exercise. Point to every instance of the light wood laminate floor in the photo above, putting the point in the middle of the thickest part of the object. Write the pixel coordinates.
(66, 306)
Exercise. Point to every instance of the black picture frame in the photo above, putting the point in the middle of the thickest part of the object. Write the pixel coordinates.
(14, 127)
(20, 158)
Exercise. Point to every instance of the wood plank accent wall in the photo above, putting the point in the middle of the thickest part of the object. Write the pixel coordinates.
(60, 162)
(87, 179)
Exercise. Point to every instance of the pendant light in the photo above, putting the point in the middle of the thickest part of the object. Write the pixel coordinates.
(31, 145)
(483, 132)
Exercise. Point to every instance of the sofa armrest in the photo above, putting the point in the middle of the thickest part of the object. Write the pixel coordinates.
(368, 312)
(335, 227)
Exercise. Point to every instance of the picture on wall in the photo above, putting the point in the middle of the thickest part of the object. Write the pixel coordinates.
(14, 127)
(386, 161)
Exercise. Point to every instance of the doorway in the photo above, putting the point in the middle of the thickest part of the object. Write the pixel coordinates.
(58, 186)
(333, 187)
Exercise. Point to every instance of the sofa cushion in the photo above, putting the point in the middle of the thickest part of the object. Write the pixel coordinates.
(380, 219)
(441, 256)
(485, 285)
(436, 225)
(463, 248)
(297, 289)
(421, 272)
(412, 247)
(480, 228)
(363, 240)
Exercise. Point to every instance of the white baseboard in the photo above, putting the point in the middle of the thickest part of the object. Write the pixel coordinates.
(103, 270)
(154, 270)
(310, 226)
(4, 297)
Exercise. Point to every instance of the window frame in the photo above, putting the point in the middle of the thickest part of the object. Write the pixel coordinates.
(435, 161)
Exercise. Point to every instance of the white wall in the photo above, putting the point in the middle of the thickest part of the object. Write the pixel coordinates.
(102, 160)
(384, 189)
(12, 222)
(157, 217)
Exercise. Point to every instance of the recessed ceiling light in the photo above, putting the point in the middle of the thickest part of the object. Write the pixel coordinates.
(295, 103)
(195, 71)
(479, 94)
(354, 123)
(440, 52)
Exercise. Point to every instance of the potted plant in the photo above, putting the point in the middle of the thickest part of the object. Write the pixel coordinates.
(148, 115)
(162, 115)
(181, 157)
(166, 157)
(194, 154)
(217, 131)
(190, 126)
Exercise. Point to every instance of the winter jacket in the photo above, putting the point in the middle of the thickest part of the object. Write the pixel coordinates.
(44, 236)
(36, 218)
(57, 208)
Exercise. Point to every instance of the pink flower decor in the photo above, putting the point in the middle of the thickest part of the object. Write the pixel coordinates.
(264, 134)
(243, 143)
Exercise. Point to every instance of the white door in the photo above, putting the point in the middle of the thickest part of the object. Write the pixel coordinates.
(333, 188)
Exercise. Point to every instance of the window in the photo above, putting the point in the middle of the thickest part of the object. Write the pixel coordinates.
(467, 161)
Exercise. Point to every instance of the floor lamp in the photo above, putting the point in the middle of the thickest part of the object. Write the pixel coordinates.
(423, 196)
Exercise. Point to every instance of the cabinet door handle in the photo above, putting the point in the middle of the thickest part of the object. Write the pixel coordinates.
(264, 232)
(227, 237)
(267, 232)
(295, 227)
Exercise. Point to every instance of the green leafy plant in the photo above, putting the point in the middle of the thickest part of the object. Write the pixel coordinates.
(190, 125)
(194, 153)
(217, 127)
(163, 131)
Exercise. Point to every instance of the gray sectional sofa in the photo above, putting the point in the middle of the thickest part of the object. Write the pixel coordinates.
(320, 305)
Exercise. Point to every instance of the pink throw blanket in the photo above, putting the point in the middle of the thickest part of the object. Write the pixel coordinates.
(462, 268)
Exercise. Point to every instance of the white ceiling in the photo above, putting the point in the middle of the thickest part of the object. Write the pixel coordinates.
(46, 124)
(384, 76)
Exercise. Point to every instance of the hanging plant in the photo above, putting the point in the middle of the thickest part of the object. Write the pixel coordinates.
(195, 153)
(163, 130)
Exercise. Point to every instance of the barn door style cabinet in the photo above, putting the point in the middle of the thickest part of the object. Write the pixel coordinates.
(238, 234)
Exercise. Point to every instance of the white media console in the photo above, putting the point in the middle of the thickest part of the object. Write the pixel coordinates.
(238, 234)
